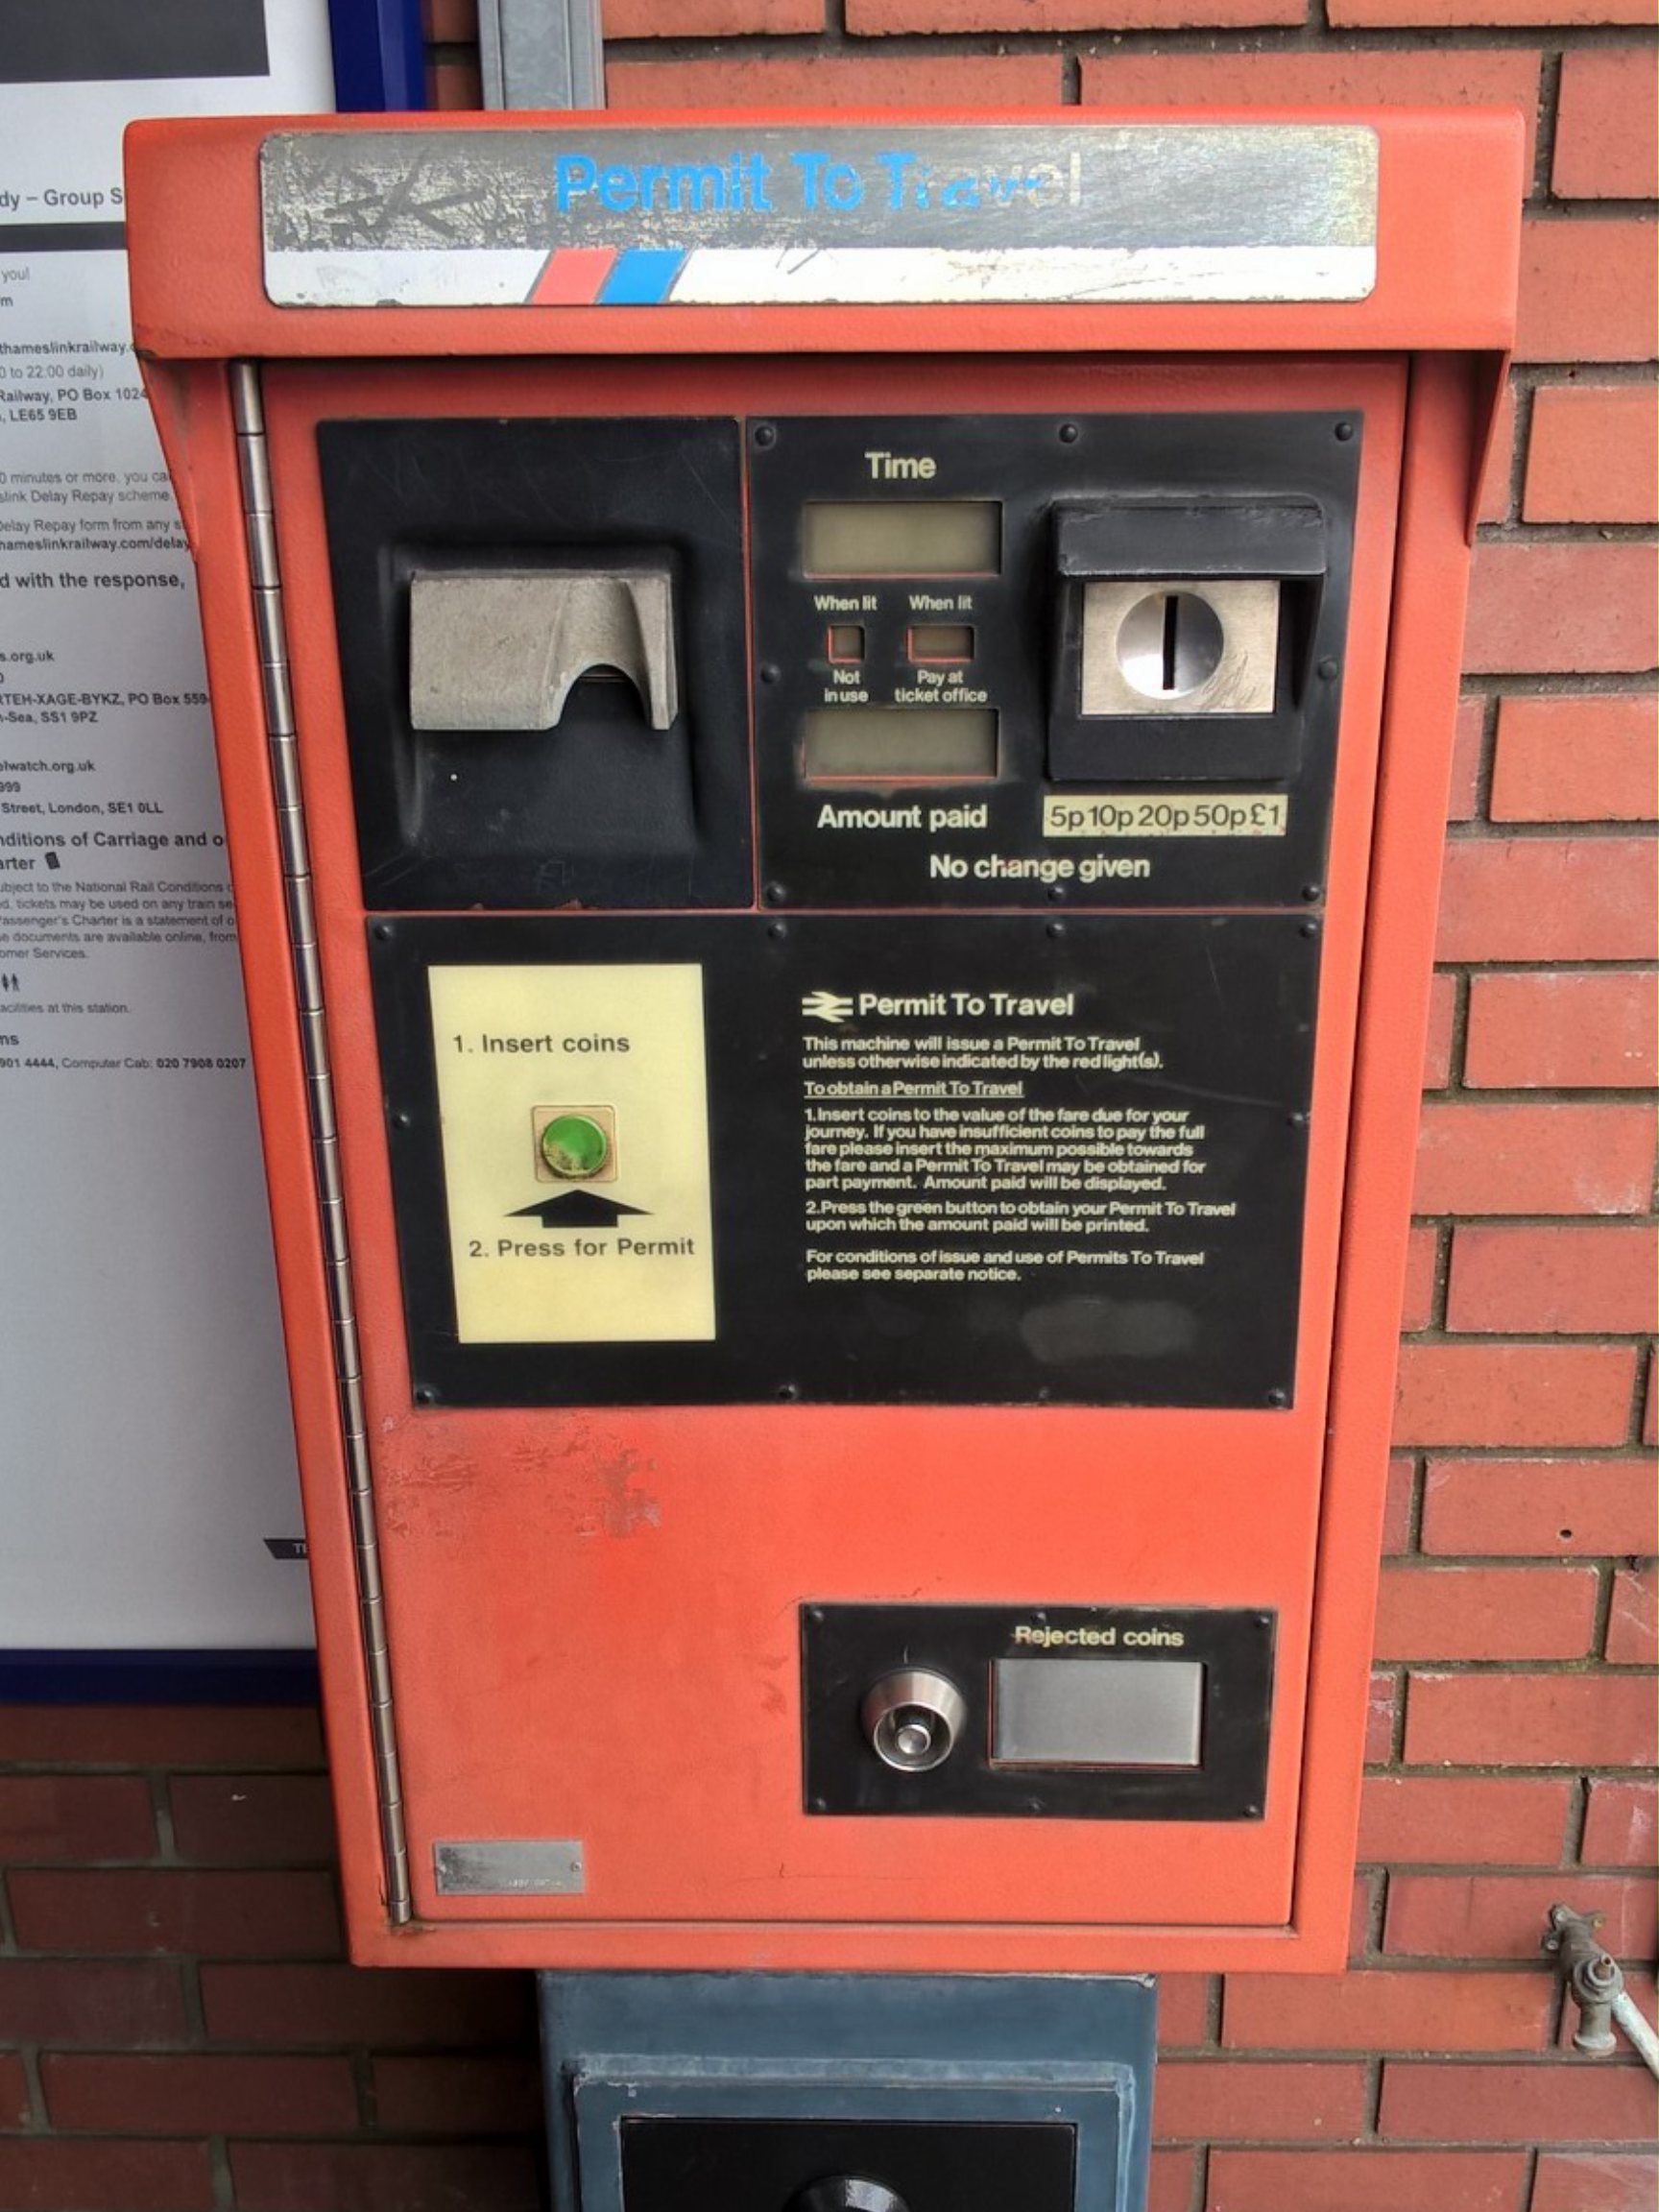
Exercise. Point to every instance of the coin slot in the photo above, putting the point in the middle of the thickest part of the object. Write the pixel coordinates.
(940, 641)
(1170, 647)
(1169, 643)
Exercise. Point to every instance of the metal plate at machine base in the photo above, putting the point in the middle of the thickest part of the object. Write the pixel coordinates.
(994, 2093)
(765, 2165)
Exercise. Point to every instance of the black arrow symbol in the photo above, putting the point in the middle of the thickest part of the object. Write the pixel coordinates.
(576, 1210)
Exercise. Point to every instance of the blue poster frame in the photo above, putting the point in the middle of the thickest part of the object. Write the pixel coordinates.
(379, 56)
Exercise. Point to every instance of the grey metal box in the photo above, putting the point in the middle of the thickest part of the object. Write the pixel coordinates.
(847, 2059)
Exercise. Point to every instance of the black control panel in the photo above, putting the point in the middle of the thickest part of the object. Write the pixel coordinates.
(1012, 661)
(960, 662)
(1020, 1160)
(770, 828)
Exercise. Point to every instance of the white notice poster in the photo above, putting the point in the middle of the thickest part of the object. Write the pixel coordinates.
(146, 1450)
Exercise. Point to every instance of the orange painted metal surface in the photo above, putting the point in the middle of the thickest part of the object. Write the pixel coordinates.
(593, 1615)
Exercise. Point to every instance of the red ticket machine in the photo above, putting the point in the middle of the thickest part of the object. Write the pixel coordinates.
(834, 735)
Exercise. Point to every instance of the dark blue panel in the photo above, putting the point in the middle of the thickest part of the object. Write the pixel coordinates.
(379, 61)
(159, 1678)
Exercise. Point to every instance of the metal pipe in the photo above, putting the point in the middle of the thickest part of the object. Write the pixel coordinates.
(1640, 2030)
(542, 54)
(1596, 1983)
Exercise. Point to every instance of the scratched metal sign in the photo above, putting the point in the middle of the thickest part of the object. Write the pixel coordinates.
(574, 216)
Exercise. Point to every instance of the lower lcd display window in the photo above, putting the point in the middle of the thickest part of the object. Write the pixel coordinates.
(1096, 1712)
(877, 744)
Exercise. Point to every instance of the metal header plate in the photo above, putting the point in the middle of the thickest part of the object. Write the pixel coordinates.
(792, 214)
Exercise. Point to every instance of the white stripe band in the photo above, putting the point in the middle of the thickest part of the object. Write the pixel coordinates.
(733, 276)
(749, 276)
(402, 276)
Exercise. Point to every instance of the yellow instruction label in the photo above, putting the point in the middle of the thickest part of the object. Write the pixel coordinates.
(575, 1128)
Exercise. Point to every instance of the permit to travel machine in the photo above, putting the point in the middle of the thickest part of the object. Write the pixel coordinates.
(834, 734)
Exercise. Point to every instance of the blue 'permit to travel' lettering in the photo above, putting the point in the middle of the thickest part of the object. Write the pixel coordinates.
(818, 180)
(665, 187)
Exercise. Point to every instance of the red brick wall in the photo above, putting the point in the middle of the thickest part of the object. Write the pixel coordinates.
(186, 2034)
(177, 2032)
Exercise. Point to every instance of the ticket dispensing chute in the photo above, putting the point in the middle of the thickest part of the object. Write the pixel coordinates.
(834, 735)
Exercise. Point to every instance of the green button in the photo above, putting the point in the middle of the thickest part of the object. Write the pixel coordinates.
(575, 1147)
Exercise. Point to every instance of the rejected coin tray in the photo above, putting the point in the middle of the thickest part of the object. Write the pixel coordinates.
(1122, 1711)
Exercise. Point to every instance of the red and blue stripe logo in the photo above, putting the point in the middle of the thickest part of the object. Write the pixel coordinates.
(608, 277)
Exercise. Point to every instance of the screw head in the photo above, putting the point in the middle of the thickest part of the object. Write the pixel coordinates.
(1344, 431)
(775, 894)
(1278, 1398)
(770, 672)
(1068, 433)
(1328, 671)
(765, 434)
(1055, 928)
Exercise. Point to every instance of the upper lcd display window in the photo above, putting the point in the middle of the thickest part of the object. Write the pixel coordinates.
(901, 537)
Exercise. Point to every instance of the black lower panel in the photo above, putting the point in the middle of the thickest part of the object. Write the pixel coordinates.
(1104, 1650)
(952, 1159)
(794, 2166)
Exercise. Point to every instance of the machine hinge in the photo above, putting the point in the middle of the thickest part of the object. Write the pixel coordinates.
(254, 459)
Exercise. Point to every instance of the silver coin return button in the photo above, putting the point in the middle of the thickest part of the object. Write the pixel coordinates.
(1097, 1712)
